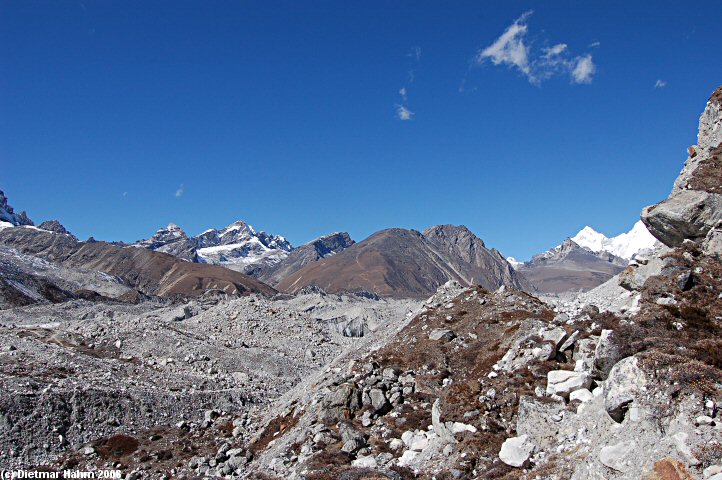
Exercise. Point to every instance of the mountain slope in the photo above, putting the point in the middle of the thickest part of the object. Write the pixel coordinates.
(472, 261)
(405, 263)
(300, 257)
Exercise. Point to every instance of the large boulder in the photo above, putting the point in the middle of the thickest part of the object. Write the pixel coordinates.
(516, 451)
(539, 420)
(619, 457)
(606, 354)
(625, 383)
(564, 382)
(712, 244)
(688, 214)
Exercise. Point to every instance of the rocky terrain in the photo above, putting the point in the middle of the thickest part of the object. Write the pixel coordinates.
(480, 380)
(75, 372)
(499, 384)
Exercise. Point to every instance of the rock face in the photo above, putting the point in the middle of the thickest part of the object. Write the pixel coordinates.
(7, 214)
(475, 264)
(571, 267)
(686, 214)
(406, 263)
(301, 256)
(54, 226)
(694, 209)
(173, 241)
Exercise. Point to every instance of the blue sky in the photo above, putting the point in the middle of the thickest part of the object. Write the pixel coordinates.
(118, 117)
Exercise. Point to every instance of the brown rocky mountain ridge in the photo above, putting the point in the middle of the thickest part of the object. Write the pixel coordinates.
(408, 263)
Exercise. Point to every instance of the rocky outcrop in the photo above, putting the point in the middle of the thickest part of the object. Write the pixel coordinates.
(54, 226)
(694, 209)
(173, 241)
(688, 214)
(7, 214)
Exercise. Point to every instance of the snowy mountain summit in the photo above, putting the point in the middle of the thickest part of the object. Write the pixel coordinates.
(173, 241)
(625, 245)
(238, 246)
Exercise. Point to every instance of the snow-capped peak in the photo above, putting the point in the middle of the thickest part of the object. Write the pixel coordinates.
(624, 245)
(514, 262)
(591, 239)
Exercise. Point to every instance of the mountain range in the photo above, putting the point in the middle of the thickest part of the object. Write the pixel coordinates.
(585, 260)
(392, 263)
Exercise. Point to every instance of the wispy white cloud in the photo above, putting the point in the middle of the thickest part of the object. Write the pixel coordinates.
(180, 190)
(584, 69)
(402, 92)
(403, 113)
(509, 49)
(125, 194)
(594, 44)
(556, 50)
(512, 50)
(660, 84)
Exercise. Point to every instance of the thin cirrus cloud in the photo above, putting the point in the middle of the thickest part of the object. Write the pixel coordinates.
(179, 191)
(402, 110)
(660, 83)
(512, 50)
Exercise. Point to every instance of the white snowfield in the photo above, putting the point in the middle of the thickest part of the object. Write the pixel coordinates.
(625, 245)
